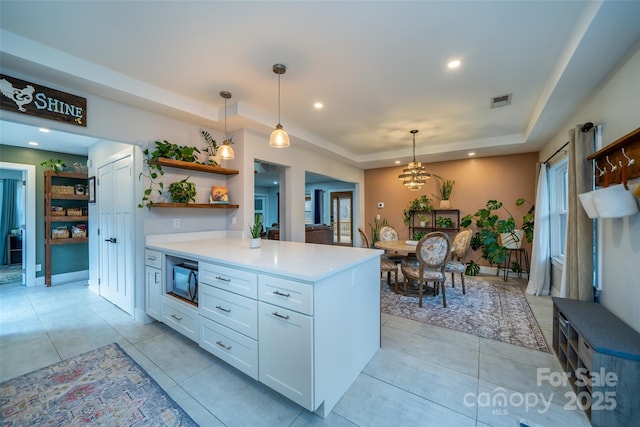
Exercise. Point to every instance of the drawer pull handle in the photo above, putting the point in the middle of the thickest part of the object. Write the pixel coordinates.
(223, 309)
(223, 279)
(275, 313)
(178, 318)
(151, 258)
(226, 347)
(281, 294)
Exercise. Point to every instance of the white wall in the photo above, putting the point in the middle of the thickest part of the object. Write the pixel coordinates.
(615, 106)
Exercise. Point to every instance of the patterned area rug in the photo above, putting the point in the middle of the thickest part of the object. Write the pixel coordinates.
(494, 310)
(103, 387)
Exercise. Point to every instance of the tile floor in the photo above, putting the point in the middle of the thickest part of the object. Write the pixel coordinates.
(421, 376)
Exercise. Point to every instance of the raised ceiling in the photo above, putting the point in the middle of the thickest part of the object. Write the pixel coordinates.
(379, 67)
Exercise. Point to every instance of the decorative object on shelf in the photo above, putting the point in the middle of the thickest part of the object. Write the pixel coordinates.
(55, 165)
(255, 231)
(80, 168)
(444, 222)
(279, 138)
(225, 151)
(490, 227)
(167, 150)
(422, 203)
(219, 195)
(211, 148)
(417, 236)
(446, 186)
(414, 176)
(183, 191)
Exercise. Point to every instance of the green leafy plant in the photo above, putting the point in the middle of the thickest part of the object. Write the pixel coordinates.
(423, 218)
(446, 187)
(211, 146)
(375, 229)
(472, 268)
(417, 235)
(55, 165)
(490, 226)
(183, 191)
(422, 203)
(256, 228)
(167, 150)
(444, 222)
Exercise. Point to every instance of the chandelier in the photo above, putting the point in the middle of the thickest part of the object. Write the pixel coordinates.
(414, 176)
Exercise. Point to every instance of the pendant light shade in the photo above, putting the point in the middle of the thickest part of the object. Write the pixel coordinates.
(225, 151)
(414, 176)
(279, 138)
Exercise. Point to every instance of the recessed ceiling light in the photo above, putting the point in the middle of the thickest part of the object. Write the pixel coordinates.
(275, 182)
(318, 105)
(44, 130)
(397, 162)
(454, 64)
(33, 143)
(472, 154)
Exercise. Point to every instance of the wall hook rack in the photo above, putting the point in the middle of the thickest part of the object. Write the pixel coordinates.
(625, 149)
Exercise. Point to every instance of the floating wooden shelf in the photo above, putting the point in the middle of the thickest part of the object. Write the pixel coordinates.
(193, 166)
(61, 196)
(194, 205)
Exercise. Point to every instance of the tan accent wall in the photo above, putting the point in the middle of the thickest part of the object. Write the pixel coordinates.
(503, 178)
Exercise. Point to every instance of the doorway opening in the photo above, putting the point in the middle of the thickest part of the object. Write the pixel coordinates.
(342, 217)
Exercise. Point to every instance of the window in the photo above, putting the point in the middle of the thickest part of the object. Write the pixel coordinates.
(558, 194)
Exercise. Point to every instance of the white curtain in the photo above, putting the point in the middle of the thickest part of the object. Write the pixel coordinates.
(539, 274)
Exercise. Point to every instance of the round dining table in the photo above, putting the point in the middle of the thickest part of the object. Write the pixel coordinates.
(397, 247)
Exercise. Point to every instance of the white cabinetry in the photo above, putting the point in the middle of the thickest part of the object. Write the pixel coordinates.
(153, 283)
(228, 321)
(180, 316)
(286, 361)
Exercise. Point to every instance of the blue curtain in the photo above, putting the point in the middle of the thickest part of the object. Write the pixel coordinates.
(8, 214)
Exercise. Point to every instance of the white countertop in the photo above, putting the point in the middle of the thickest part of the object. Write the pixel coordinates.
(302, 261)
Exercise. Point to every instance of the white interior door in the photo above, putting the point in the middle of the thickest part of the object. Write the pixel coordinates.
(115, 200)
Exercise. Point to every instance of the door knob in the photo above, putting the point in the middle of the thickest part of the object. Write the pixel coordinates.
(112, 240)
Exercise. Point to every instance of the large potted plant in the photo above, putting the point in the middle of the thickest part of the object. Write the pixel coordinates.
(493, 232)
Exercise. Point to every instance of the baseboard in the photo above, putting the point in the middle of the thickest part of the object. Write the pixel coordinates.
(59, 279)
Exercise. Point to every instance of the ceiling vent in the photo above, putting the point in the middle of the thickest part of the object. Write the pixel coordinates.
(501, 101)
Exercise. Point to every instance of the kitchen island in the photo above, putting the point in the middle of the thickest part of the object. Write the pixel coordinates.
(303, 319)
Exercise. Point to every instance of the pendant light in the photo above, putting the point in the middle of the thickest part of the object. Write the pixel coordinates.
(279, 137)
(414, 176)
(225, 151)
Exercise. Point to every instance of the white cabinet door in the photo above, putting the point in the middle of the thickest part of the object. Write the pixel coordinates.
(285, 353)
(153, 292)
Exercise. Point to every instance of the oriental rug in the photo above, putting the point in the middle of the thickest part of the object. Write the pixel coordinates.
(489, 309)
(104, 387)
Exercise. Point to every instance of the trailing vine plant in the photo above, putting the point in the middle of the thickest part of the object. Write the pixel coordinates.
(168, 150)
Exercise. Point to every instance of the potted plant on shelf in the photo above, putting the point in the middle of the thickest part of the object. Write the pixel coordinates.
(444, 222)
(255, 231)
(183, 191)
(163, 150)
(446, 186)
(423, 220)
(419, 204)
(211, 147)
(55, 165)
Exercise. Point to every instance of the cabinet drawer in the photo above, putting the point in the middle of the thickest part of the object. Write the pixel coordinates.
(234, 311)
(285, 293)
(180, 316)
(585, 352)
(236, 349)
(153, 258)
(236, 281)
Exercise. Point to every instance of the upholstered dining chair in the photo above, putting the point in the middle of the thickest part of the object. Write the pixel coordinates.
(386, 233)
(459, 248)
(432, 253)
(386, 265)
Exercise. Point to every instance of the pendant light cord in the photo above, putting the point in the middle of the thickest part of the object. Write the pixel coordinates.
(278, 98)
